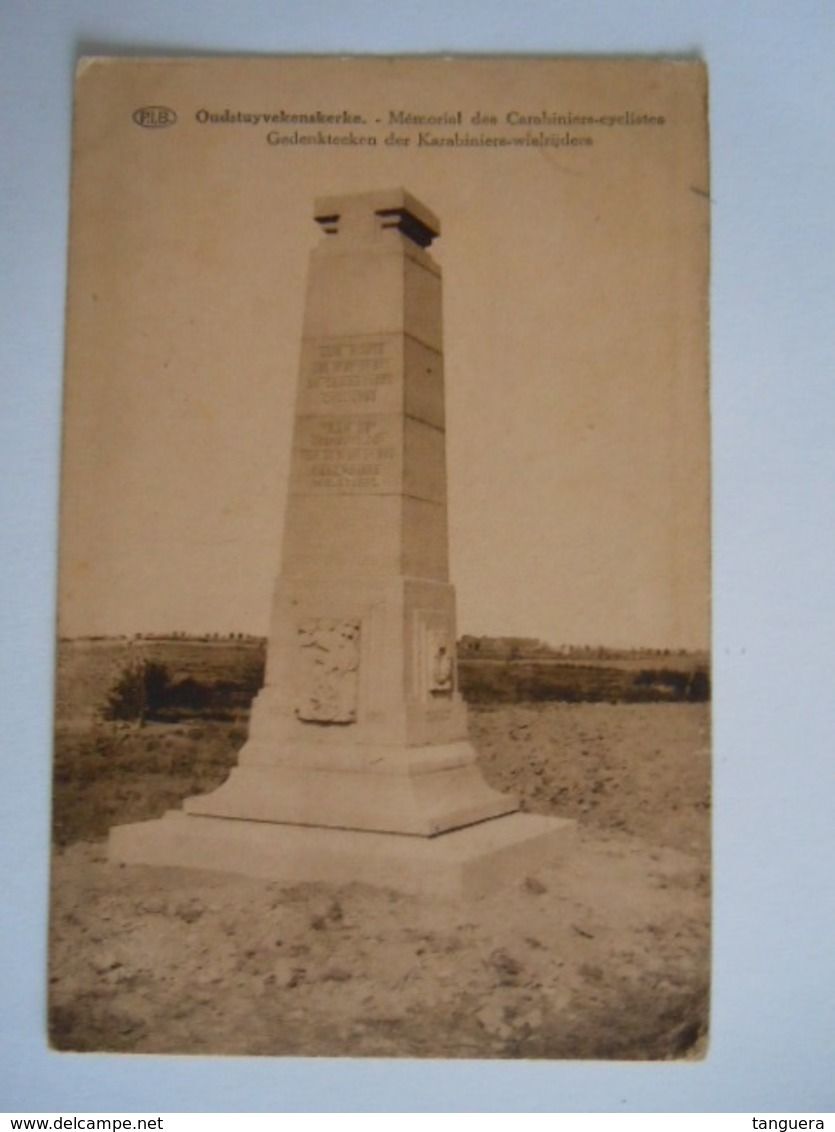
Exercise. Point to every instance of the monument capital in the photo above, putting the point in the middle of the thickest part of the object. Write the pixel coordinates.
(366, 216)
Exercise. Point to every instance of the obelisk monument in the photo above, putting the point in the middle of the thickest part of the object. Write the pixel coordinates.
(358, 765)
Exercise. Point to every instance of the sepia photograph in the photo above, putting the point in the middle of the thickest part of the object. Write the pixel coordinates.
(382, 710)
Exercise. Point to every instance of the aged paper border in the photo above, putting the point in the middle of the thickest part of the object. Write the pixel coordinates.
(759, 629)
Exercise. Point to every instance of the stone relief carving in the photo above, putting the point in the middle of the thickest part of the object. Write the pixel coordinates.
(441, 674)
(329, 658)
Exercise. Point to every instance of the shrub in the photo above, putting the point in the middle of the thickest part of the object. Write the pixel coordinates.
(139, 692)
(147, 691)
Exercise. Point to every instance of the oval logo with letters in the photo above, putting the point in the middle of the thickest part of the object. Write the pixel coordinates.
(154, 117)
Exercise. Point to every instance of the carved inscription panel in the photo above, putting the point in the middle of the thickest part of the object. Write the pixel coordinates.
(328, 670)
(356, 453)
(350, 375)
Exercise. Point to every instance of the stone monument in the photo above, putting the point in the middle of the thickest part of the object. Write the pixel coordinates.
(358, 766)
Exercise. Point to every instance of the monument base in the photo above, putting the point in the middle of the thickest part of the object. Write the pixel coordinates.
(419, 791)
(464, 862)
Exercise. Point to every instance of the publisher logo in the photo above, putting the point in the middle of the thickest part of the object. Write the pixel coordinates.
(154, 117)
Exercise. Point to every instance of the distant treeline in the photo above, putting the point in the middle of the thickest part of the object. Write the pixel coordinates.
(469, 646)
(532, 682)
(246, 638)
(168, 682)
(531, 648)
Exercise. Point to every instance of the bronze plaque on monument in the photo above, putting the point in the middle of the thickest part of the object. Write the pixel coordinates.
(383, 684)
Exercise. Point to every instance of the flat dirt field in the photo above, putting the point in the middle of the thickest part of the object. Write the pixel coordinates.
(605, 955)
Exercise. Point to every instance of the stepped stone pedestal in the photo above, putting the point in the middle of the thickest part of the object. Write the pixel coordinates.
(358, 766)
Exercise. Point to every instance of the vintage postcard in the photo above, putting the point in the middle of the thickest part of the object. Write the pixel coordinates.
(383, 691)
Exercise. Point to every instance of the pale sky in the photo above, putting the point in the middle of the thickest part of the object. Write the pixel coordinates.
(575, 326)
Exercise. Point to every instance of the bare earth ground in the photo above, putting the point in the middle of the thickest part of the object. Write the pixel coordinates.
(604, 956)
